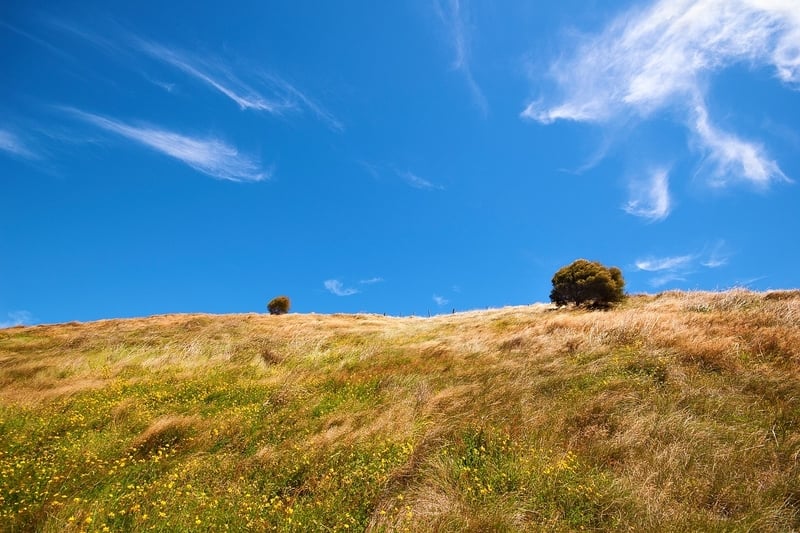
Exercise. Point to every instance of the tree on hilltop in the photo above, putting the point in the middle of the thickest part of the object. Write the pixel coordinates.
(279, 305)
(587, 284)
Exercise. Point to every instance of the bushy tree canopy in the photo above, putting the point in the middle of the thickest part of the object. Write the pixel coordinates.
(587, 283)
(279, 305)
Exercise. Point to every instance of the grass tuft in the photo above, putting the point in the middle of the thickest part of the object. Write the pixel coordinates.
(167, 432)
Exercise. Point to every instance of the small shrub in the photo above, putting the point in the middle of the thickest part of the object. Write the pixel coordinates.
(587, 283)
(279, 305)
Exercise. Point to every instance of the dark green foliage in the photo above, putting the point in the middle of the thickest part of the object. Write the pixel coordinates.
(279, 305)
(589, 284)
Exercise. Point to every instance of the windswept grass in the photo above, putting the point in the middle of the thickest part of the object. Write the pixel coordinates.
(678, 412)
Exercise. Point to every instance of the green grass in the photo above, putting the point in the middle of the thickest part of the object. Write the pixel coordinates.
(225, 454)
(674, 412)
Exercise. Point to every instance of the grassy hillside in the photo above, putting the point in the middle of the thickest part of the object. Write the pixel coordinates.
(676, 412)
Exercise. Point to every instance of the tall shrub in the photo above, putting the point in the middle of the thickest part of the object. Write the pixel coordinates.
(588, 284)
(279, 305)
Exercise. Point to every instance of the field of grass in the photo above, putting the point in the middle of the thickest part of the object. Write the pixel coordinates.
(673, 412)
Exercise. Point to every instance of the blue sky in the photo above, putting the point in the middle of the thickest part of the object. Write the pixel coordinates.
(390, 157)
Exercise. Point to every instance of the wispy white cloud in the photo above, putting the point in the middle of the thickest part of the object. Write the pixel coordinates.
(731, 156)
(210, 155)
(168, 87)
(334, 286)
(667, 269)
(294, 94)
(250, 88)
(453, 15)
(371, 281)
(717, 257)
(417, 182)
(216, 76)
(656, 264)
(680, 267)
(17, 318)
(370, 168)
(105, 44)
(440, 300)
(12, 144)
(661, 58)
(267, 92)
(651, 199)
(380, 171)
(714, 262)
(39, 41)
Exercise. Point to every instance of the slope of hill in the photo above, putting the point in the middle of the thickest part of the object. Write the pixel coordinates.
(676, 412)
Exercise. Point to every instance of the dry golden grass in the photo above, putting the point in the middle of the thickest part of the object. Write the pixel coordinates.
(170, 431)
(678, 411)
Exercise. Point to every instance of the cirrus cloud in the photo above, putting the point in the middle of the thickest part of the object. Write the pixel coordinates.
(661, 57)
(651, 199)
(679, 267)
(334, 286)
(11, 143)
(417, 182)
(453, 15)
(210, 156)
(440, 300)
(653, 264)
